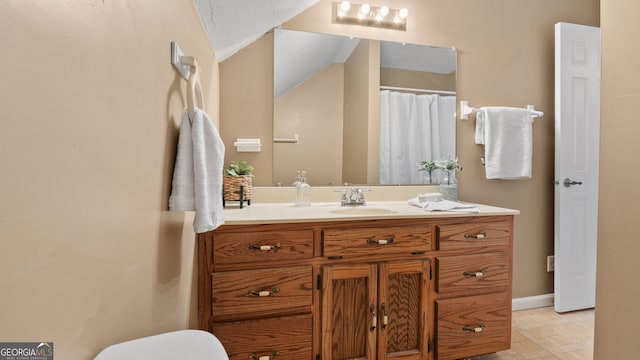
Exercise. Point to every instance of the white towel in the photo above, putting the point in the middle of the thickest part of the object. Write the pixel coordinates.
(197, 176)
(508, 140)
(443, 205)
(480, 128)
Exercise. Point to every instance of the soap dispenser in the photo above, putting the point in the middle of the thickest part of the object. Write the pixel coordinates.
(303, 190)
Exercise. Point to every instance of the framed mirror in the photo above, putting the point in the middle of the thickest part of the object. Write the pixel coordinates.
(360, 111)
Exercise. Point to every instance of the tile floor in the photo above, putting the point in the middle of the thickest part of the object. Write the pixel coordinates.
(544, 334)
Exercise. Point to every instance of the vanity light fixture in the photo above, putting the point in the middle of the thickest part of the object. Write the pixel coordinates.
(364, 14)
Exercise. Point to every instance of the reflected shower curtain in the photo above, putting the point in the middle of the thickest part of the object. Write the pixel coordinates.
(414, 128)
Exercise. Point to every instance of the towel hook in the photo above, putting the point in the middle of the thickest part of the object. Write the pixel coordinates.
(187, 66)
(194, 89)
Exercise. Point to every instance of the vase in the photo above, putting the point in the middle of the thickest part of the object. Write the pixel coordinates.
(426, 177)
(449, 186)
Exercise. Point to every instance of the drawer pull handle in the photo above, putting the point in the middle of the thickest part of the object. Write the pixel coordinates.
(478, 274)
(374, 319)
(265, 247)
(264, 293)
(477, 329)
(474, 329)
(481, 235)
(380, 242)
(255, 356)
(385, 317)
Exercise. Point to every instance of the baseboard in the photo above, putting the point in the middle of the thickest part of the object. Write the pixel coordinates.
(532, 302)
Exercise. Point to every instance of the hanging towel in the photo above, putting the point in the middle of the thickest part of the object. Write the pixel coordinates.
(508, 140)
(480, 128)
(197, 176)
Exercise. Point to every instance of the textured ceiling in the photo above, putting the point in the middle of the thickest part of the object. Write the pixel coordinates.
(234, 24)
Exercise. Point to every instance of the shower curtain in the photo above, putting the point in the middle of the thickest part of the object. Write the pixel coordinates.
(414, 128)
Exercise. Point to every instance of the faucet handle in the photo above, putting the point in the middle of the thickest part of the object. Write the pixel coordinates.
(343, 199)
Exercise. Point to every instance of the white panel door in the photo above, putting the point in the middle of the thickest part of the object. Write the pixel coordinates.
(577, 134)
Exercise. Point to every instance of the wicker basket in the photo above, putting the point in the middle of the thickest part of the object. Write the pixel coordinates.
(231, 187)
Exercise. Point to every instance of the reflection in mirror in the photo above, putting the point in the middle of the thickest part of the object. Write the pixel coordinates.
(363, 111)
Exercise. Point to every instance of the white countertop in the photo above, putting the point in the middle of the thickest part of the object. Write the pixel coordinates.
(268, 213)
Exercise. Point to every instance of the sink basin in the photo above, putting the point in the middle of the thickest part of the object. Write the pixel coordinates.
(363, 210)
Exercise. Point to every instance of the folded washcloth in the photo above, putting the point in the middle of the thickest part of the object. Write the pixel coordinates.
(447, 205)
(197, 176)
(435, 196)
(443, 205)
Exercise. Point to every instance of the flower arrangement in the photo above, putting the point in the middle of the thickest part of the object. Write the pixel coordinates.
(448, 166)
(427, 166)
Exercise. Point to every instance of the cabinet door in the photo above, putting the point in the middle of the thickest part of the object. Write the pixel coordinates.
(403, 309)
(349, 318)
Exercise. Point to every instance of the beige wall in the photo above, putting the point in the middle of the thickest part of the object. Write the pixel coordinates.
(314, 111)
(89, 254)
(357, 71)
(246, 105)
(505, 57)
(417, 79)
(617, 311)
(373, 114)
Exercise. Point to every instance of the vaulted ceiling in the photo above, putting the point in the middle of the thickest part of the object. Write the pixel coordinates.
(234, 24)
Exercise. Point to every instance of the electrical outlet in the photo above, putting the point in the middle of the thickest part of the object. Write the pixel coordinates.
(551, 263)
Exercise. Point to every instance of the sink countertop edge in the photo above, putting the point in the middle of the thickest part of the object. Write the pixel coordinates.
(272, 213)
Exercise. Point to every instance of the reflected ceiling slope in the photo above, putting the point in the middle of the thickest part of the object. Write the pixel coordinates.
(234, 24)
(298, 56)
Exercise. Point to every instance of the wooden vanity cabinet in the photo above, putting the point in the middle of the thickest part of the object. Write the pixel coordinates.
(419, 289)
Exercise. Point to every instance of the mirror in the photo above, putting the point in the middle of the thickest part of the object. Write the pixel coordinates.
(360, 111)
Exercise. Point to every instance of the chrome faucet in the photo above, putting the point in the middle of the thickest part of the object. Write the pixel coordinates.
(353, 197)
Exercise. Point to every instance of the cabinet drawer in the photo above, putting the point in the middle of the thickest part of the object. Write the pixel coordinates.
(472, 272)
(473, 325)
(376, 241)
(245, 294)
(474, 236)
(283, 338)
(251, 247)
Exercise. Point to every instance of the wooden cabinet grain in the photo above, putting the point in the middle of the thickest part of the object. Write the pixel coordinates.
(419, 289)
(375, 311)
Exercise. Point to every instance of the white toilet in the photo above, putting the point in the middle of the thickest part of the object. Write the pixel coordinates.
(182, 344)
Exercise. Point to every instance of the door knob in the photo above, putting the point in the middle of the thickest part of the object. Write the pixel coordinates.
(567, 182)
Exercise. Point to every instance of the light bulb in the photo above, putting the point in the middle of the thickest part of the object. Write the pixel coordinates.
(403, 13)
(384, 11)
(345, 6)
(365, 9)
